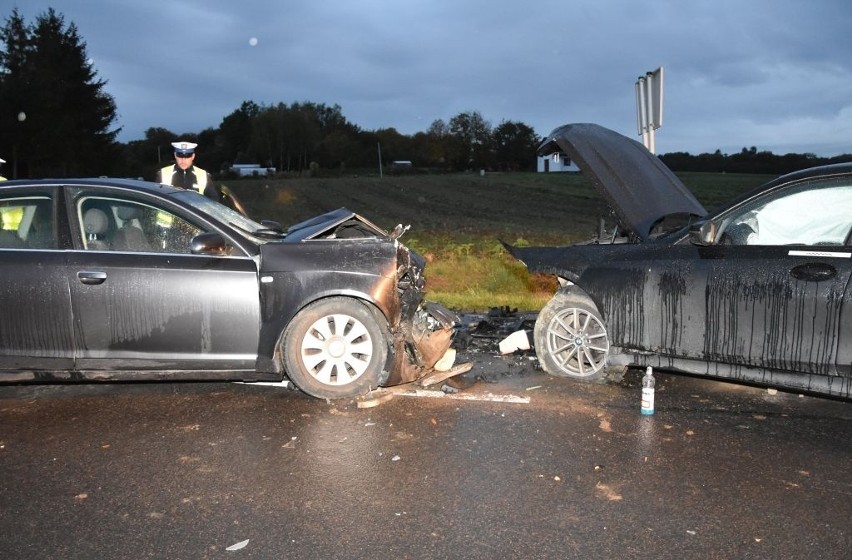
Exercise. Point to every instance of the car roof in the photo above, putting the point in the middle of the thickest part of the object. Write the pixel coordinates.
(132, 184)
(639, 187)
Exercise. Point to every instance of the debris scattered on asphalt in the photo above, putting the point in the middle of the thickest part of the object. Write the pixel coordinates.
(476, 333)
(238, 546)
(442, 375)
(283, 384)
(607, 492)
(375, 398)
(491, 397)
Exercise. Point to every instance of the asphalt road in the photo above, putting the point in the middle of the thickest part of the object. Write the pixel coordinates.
(190, 470)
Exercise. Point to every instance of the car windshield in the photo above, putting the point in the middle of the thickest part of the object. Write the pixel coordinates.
(226, 215)
(813, 213)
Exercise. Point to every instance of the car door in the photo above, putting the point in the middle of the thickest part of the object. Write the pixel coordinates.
(778, 277)
(36, 330)
(143, 301)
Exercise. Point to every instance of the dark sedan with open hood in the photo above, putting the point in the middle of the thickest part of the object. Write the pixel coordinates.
(125, 280)
(757, 291)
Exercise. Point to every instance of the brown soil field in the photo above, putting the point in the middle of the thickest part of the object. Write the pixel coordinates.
(538, 207)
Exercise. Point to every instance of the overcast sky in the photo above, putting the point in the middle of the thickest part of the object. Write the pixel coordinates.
(774, 74)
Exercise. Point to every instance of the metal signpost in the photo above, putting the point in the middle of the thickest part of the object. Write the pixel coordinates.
(649, 106)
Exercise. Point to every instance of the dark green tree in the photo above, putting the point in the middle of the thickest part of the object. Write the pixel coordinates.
(235, 133)
(62, 115)
(469, 145)
(514, 146)
(14, 89)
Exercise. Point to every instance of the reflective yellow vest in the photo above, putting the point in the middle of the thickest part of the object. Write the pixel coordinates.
(200, 177)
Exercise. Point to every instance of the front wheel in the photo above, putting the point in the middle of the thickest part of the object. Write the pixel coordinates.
(335, 348)
(571, 339)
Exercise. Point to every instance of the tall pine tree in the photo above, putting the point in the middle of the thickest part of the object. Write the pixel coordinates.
(56, 116)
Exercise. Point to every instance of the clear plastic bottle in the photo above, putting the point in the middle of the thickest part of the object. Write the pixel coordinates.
(648, 391)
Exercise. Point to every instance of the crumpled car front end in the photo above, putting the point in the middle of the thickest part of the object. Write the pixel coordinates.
(425, 329)
(348, 299)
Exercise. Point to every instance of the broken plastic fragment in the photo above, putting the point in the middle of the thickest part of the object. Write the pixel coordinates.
(518, 340)
(238, 546)
(446, 361)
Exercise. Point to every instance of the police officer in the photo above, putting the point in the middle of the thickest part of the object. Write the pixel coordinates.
(2, 161)
(184, 175)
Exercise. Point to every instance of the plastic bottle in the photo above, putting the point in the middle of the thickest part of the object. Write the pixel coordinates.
(648, 391)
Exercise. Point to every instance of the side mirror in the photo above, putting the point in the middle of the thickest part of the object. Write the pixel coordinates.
(209, 244)
(703, 234)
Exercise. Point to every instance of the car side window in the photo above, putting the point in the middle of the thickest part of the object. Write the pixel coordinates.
(26, 222)
(111, 224)
(810, 214)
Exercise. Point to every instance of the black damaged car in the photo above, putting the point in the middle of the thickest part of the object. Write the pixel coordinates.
(757, 291)
(106, 279)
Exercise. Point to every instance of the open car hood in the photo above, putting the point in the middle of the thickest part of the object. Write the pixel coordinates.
(640, 189)
(335, 224)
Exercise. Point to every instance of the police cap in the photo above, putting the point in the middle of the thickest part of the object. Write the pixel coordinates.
(184, 148)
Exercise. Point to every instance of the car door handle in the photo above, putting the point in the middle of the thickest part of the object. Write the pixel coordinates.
(91, 278)
(814, 272)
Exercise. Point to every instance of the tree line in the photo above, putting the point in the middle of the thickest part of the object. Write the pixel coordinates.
(748, 160)
(57, 120)
(310, 138)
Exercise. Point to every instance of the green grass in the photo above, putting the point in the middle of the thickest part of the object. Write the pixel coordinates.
(458, 220)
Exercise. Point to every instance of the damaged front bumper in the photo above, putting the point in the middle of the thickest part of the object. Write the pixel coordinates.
(420, 343)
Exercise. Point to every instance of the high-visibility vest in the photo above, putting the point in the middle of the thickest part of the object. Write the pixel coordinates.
(200, 177)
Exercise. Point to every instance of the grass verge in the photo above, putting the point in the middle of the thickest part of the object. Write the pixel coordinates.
(458, 220)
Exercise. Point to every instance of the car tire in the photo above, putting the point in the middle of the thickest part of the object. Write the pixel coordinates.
(335, 348)
(571, 339)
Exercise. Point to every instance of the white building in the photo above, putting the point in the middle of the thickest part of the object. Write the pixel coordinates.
(550, 165)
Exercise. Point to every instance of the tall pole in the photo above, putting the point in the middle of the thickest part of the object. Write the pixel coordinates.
(380, 159)
(649, 106)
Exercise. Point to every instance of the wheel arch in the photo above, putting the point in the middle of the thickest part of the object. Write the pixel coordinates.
(369, 303)
(351, 308)
(280, 305)
(571, 295)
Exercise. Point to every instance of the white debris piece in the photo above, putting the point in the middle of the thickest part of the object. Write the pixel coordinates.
(446, 361)
(464, 396)
(240, 545)
(518, 340)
